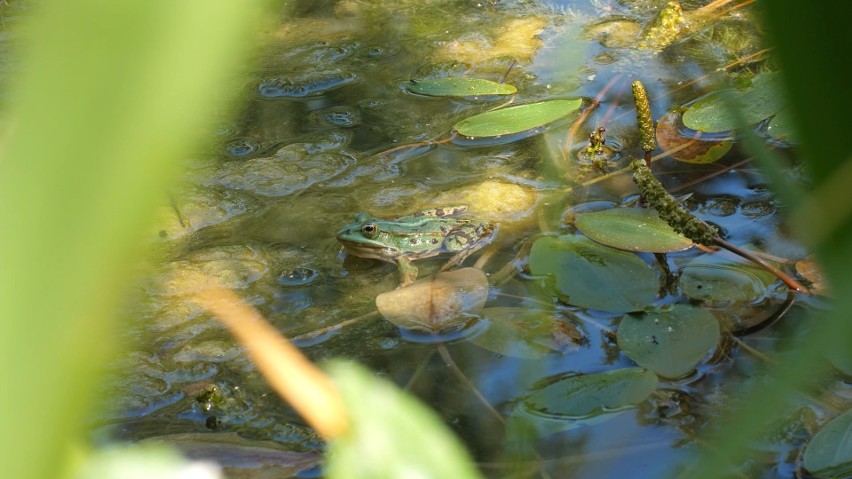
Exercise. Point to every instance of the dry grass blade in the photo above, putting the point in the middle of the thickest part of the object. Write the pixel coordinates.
(293, 377)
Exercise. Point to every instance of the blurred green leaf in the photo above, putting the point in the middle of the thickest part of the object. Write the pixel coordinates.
(670, 343)
(459, 87)
(829, 454)
(109, 98)
(391, 434)
(143, 462)
(805, 47)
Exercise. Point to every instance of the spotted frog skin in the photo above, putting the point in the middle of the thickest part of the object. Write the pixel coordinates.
(421, 235)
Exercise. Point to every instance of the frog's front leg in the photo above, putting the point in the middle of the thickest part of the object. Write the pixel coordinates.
(407, 271)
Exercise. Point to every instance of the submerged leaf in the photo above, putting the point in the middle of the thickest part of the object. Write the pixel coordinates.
(632, 229)
(524, 333)
(759, 101)
(516, 119)
(670, 343)
(587, 395)
(587, 274)
(445, 300)
(459, 87)
(829, 454)
(719, 279)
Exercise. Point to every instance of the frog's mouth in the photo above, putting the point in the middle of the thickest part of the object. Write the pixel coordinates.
(371, 251)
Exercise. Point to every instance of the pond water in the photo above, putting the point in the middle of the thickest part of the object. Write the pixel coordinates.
(327, 129)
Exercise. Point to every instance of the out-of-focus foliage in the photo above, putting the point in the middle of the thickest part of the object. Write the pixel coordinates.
(805, 46)
(108, 98)
(391, 434)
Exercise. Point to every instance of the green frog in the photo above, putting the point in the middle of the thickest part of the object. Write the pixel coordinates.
(421, 235)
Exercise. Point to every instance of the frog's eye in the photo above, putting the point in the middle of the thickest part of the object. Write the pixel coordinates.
(370, 230)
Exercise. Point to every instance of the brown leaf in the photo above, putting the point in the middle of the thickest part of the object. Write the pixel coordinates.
(445, 300)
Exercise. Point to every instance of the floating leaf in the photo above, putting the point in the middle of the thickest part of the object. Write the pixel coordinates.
(459, 87)
(516, 119)
(632, 229)
(670, 343)
(445, 300)
(590, 275)
(587, 395)
(688, 147)
(720, 279)
(712, 113)
(382, 419)
(525, 333)
(829, 454)
(782, 126)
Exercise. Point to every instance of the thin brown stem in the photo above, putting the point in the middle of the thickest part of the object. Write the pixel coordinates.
(319, 332)
(448, 360)
(790, 282)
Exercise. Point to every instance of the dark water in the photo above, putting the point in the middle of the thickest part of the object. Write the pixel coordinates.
(310, 148)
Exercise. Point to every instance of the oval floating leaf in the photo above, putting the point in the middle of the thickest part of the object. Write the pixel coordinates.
(445, 300)
(670, 343)
(829, 454)
(722, 280)
(632, 229)
(759, 101)
(590, 275)
(516, 119)
(587, 395)
(459, 87)
(525, 333)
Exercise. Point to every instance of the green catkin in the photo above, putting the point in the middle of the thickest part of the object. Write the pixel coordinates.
(672, 212)
(643, 117)
(669, 25)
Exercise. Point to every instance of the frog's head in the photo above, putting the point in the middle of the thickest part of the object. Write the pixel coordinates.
(365, 238)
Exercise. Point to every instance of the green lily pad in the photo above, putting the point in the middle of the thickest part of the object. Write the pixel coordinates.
(782, 127)
(720, 279)
(524, 333)
(829, 454)
(712, 113)
(588, 395)
(632, 229)
(670, 343)
(591, 275)
(459, 87)
(516, 119)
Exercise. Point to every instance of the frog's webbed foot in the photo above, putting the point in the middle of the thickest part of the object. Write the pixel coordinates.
(407, 272)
